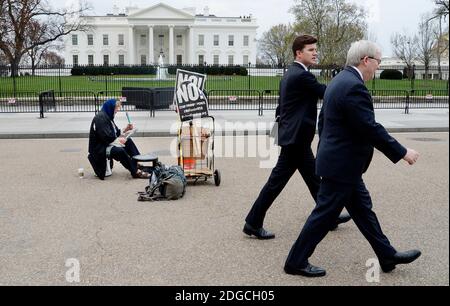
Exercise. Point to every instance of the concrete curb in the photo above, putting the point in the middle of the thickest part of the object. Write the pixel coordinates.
(70, 135)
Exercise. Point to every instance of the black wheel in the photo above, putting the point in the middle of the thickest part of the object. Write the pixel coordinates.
(217, 177)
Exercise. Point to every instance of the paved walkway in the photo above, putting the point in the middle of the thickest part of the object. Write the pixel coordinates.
(48, 215)
(76, 125)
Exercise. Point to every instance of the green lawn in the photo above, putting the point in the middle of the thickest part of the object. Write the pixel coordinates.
(115, 83)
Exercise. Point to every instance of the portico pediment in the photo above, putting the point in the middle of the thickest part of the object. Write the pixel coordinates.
(161, 11)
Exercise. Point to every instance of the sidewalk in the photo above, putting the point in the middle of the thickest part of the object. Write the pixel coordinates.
(49, 215)
(76, 125)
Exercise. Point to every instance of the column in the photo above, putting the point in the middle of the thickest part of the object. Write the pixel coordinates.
(191, 46)
(171, 47)
(151, 56)
(131, 46)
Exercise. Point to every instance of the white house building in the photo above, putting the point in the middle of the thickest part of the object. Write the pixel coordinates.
(433, 73)
(180, 36)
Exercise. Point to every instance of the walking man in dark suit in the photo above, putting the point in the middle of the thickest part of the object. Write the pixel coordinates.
(299, 94)
(348, 134)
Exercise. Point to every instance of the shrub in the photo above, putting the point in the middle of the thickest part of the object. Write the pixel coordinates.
(116, 70)
(212, 70)
(391, 74)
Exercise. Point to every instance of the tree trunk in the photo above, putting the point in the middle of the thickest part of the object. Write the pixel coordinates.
(14, 68)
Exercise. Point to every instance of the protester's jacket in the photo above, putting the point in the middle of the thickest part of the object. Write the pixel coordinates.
(103, 131)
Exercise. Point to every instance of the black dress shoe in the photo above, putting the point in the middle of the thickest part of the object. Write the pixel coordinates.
(259, 233)
(343, 218)
(308, 271)
(399, 258)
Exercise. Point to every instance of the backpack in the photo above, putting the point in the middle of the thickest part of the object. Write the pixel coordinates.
(166, 183)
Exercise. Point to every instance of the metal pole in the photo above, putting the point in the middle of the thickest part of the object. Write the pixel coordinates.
(59, 81)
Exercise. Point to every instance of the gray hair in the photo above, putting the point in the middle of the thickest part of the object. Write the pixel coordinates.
(360, 49)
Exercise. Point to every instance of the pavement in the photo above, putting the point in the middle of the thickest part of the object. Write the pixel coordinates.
(50, 217)
(76, 125)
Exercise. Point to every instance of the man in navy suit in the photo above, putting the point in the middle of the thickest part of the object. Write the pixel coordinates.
(348, 135)
(299, 94)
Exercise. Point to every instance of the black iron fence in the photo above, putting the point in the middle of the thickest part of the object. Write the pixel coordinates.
(161, 99)
(63, 79)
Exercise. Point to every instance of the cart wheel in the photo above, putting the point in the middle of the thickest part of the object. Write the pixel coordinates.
(217, 177)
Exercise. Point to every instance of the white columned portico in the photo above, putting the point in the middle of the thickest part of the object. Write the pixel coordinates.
(191, 46)
(131, 46)
(151, 55)
(171, 45)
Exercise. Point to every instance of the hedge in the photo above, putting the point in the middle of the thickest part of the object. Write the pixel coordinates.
(212, 70)
(391, 74)
(116, 70)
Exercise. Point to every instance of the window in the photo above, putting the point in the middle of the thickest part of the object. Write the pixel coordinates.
(143, 60)
(216, 60)
(216, 40)
(179, 59)
(90, 38)
(74, 40)
(246, 40)
(121, 59)
(179, 40)
(230, 60)
(143, 40)
(201, 59)
(161, 41)
(201, 40)
(121, 40)
(230, 40)
(75, 60)
(245, 60)
(90, 60)
(105, 40)
(106, 60)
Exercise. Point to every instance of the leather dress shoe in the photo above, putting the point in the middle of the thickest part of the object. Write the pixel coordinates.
(399, 258)
(308, 271)
(343, 218)
(259, 233)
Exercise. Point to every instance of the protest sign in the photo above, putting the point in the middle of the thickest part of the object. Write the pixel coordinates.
(190, 100)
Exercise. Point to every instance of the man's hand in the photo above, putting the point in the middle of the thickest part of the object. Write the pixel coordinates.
(411, 156)
(122, 140)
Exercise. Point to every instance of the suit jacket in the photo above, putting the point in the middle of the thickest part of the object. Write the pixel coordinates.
(101, 134)
(348, 131)
(299, 94)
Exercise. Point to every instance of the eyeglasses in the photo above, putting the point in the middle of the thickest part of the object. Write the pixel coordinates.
(371, 57)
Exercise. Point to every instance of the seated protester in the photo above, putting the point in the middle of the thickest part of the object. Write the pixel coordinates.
(106, 139)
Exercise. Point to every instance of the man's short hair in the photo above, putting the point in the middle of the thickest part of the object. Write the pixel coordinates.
(359, 50)
(301, 41)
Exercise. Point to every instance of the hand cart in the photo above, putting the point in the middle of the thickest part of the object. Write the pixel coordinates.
(196, 150)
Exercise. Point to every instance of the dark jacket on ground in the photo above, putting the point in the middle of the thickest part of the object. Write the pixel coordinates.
(101, 135)
(348, 131)
(299, 94)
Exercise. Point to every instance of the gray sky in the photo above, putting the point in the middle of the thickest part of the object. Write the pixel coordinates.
(386, 16)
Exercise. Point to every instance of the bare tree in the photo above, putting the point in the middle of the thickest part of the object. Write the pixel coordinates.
(16, 21)
(440, 12)
(426, 42)
(442, 8)
(52, 58)
(276, 45)
(407, 49)
(335, 23)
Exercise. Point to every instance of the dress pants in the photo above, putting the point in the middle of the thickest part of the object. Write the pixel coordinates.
(125, 156)
(332, 198)
(292, 158)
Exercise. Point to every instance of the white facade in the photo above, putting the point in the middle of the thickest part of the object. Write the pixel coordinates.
(433, 73)
(180, 36)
